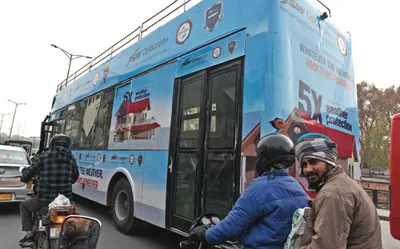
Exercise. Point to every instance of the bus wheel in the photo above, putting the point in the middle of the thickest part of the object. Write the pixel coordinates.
(122, 208)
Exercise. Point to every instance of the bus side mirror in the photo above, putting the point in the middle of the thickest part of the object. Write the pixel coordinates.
(394, 217)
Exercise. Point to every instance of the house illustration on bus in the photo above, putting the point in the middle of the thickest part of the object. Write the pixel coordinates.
(297, 124)
(133, 122)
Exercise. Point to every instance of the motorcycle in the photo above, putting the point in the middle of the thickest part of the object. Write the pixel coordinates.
(47, 222)
(207, 220)
(79, 232)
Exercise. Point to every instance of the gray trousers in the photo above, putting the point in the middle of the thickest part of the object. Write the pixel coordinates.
(27, 207)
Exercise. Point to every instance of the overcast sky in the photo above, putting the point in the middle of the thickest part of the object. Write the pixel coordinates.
(31, 69)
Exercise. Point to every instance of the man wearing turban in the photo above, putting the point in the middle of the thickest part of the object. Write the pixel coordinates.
(342, 216)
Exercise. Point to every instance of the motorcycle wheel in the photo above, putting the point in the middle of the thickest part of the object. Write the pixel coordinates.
(41, 241)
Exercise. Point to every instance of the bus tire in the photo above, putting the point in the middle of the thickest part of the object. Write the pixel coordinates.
(122, 206)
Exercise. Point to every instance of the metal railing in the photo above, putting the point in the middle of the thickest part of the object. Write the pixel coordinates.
(125, 42)
(381, 198)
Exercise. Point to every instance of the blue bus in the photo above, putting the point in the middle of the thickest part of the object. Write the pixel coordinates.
(165, 129)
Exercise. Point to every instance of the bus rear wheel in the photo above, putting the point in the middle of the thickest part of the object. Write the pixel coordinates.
(122, 208)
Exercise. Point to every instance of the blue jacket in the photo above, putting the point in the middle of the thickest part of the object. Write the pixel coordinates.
(262, 216)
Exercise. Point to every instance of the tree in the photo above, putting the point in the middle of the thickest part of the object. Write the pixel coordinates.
(367, 100)
(391, 102)
(376, 148)
(376, 107)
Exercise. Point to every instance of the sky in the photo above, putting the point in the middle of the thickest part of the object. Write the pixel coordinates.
(31, 69)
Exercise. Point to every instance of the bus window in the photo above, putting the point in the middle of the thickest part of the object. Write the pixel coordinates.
(395, 177)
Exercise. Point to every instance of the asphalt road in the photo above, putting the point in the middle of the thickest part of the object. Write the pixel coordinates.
(10, 231)
(154, 238)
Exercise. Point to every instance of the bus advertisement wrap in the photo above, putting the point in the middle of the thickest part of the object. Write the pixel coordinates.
(142, 112)
(171, 123)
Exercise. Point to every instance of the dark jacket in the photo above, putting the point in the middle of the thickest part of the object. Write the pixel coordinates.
(57, 171)
(262, 216)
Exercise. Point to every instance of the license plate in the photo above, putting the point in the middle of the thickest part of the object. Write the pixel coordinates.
(55, 232)
(5, 197)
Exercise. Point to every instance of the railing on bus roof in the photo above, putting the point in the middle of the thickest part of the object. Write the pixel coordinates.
(136, 34)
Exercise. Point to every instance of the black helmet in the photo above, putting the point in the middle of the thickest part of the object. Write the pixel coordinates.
(60, 140)
(274, 151)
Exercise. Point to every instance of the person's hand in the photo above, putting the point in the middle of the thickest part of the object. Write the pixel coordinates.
(199, 234)
(23, 169)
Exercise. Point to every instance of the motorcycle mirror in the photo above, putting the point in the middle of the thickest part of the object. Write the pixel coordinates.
(79, 230)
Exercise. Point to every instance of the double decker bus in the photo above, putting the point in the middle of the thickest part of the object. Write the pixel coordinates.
(165, 129)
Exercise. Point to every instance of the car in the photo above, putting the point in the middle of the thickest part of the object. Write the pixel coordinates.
(11, 160)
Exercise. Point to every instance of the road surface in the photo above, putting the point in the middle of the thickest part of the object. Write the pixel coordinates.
(388, 241)
(10, 231)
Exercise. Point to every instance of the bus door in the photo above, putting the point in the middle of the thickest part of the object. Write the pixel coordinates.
(205, 144)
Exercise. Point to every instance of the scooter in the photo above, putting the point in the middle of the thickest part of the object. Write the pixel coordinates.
(207, 220)
(79, 232)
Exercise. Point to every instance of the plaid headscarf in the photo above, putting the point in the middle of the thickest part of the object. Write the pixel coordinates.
(317, 146)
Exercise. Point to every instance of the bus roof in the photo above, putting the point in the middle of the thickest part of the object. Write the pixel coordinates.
(185, 33)
(396, 116)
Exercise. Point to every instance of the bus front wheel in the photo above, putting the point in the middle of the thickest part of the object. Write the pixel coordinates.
(122, 208)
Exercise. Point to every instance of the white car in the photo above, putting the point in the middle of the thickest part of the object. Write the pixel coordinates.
(11, 188)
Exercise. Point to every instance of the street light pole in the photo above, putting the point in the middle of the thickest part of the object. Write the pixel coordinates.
(69, 66)
(2, 118)
(70, 57)
(15, 111)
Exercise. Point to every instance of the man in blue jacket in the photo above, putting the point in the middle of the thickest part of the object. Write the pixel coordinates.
(262, 216)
